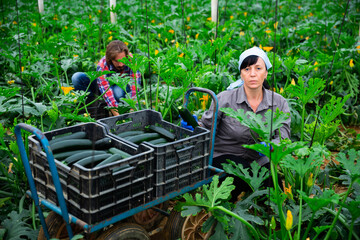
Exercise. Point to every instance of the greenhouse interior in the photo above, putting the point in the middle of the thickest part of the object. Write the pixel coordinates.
(180, 119)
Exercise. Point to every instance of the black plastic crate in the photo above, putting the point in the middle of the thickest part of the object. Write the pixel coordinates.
(91, 193)
(174, 162)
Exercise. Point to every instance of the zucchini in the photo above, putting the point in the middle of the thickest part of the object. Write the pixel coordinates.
(93, 159)
(120, 152)
(130, 133)
(81, 155)
(110, 159)
(158, 141)
(187, 116)
(77, 135)
(63, 155)
(163, 132)
(143, 137)
(71, 144)
(103, 143)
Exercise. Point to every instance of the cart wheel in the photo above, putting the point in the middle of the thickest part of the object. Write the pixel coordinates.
(125, 231)
(186, 228)
(150, 217)
(57, 228)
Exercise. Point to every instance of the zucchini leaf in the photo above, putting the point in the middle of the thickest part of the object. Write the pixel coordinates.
(254, 180)
(349, 162)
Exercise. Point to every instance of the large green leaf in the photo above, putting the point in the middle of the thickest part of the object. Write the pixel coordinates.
(16, 227)
(254, 180)
(319, 201)
(350, 162)
(272, 121)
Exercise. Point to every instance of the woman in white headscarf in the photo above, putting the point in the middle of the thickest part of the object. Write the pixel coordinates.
(251, 96)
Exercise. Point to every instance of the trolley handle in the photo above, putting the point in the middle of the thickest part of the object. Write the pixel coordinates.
(54, 174)
(214, 119)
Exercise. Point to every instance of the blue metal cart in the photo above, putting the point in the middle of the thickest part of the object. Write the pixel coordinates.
(62, 210)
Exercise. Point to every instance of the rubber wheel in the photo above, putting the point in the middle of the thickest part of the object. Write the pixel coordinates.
(57, 228)
(125, 231)
(149, 217)
(186, 228)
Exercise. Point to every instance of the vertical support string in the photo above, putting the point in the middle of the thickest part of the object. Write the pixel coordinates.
(148, 42)
(329, 73)
(183, 20)
(216, 33)
(19, 47)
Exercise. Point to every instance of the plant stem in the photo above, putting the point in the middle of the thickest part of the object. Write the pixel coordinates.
(309, 226)
(338, 213)
(157, 91)
(145, 95)
(302, 122)
(342, 221)
(278, 199)
(300, 208)
(252, 229)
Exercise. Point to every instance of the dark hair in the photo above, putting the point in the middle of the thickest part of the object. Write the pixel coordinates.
(248, 61)
(251, 60)
(114, 48)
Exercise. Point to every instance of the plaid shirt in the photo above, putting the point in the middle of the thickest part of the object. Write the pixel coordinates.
(104, 84)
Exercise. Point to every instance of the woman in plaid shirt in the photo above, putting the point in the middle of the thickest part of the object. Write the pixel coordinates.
(115, 51)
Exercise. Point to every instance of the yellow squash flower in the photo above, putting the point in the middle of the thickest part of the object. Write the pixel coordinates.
(288, 192)
(86, 114)
(156, 52)
(289, 220)
(22, 68)
(129, 21)
(245, 14)
(110, 38)
(159, 35)
(153, 21)
(11, 82)
(204, 101)
(316, 63)
(126, 43)
(75, 55)
(268, 49)
(358, 49)
(171, 31)
(197, 36)
(351, 63)
(331, 83)
(281, 90)
(34, 24)
(276, 25)
(181, 55)
(176, 44)
(310, 180)
(166, 39)
(231, 17)
(209, 19)
(188, 19)
(10, 167)
(66, 89)
(252, 40)
(292, 82)
(241, 33)
(268, 31)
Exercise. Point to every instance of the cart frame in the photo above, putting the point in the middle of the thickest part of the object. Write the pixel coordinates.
(62, 209)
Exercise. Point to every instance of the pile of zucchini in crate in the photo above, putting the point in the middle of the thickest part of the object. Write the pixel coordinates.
(77, 148)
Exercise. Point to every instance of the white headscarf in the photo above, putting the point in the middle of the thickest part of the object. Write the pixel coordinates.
(257, 52)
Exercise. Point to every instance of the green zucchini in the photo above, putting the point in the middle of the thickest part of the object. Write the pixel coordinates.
(77, 135)
(71, 144)
(103, 143)
(130, 133)
(63, 155)
(120, 152)
(93, 159)
(187, 116)
(143, 137)
(81, 155)
(158, 141)
(110, 159)
(163, 132)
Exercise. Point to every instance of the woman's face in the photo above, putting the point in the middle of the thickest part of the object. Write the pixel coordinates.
(254, 75)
